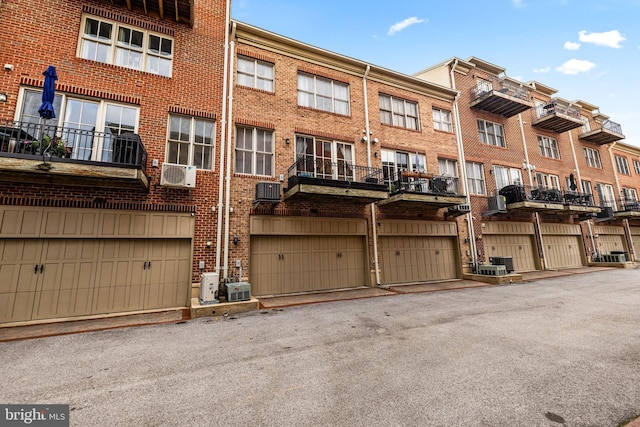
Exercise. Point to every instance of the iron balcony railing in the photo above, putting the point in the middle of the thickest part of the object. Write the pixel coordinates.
(522, 193)
(499, 85)
(311, 167)
(612, 127)
(423, 183)
(55, 143)
(577, 198)
(629, 205)
(555, 107)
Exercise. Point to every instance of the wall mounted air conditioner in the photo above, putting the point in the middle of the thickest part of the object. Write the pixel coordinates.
(268, 191)
(497, 203)
(209, 288)
(181, 176)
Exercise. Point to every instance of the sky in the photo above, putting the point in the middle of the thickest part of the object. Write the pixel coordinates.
(585, 49)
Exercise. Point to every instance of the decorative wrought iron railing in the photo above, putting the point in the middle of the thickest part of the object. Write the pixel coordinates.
(555, 107)
(499, 85)
(51, 142)
(612, 127)
(522, 193)
(314, 168)
(628, 205)
(423, 183)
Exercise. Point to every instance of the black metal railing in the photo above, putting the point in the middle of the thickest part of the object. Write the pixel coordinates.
(628, 205)
(423, 183)
(322, 169)
(33, 140)
(555, 107)
(522, 193)
(577, 198)
(612, 127)
(499, 85)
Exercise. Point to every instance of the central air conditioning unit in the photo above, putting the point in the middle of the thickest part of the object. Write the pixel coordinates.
(458, 210)
(497, 203)
(620, 257)
(180, 176)
(209, 288)
(239, 291)
(268, 192)
(507, 261)
(492, 270)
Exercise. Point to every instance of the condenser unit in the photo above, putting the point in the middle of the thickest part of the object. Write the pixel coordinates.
(492, 270)
(614, 258)
(497, 203)
(268, 192)
(239, 291)
(209, 288)
(507, 261)
(181, 176)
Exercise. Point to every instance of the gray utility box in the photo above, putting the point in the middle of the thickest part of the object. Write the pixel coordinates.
(239, 291)
(492, 270)
(614, 258)
(507, 261)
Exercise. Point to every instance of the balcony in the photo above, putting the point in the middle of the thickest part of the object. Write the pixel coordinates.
(180, 11)
(69, 156)
(607, 133)
(416, 190)
(628, 208)
(581, 204)
(500, 96)
(526, 198)
(556, 117)
(316, 179)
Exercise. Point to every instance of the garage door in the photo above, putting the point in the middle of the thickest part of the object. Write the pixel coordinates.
(635, 237)
(291, 255)
(610, 239)
(563, 245)
(514, 239)
(412, 251)
(79, 263)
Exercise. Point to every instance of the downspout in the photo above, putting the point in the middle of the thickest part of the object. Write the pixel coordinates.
(537, 215)
(463, 171)
(221, 169)
(373, 205)
(575, 162)
(232, 46)
(626, 221)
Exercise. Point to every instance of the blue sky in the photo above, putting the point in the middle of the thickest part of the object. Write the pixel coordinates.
(586, 49)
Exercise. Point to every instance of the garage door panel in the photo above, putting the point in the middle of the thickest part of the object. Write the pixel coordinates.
(413, 259)
(519, 247)
(611, 242)
(563, 251)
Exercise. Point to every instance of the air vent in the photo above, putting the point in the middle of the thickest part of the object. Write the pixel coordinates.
(181, 176)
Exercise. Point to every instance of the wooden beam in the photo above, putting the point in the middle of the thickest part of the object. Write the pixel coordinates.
(128, 4)
(161, 8)
(191, 13)
(177, 11)
(144, 4)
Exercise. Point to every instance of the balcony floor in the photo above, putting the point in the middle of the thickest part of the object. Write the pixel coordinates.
(422, 201)
(301, 187)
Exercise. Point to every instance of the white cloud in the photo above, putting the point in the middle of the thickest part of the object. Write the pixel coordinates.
(518, 78)
(399, 26)
(518, 3)
(542, 70)
(571, 46)
(607, 39)
(575, 66)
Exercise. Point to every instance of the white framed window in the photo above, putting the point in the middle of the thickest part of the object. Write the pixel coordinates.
(547, 181)
(442, 120)
(636, 166)
(90, 127)
(118, 44)
(191, 142)
(606, 195)
(255, 74)
(324, 158)
(491, 133)
(475, 178)
(586, 126)
(448, 167)
(548, 147)
(623, 165)
(323, 94)
(399, 161)
(400, 112)
(586, 187)
(254, 151)
(593, 158)
(506, 176)
(629, 194)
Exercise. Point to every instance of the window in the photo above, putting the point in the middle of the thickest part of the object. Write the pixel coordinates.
(506, 176)
(593, 158)
(398, 112)
(606, 195)
(89, 126)
(629, 194)
(114, 43)
(255, 74)
(475, 178)
(548, 147)
(442, 120)
(623, 165)
(324, 158)
(586, 187)
(544, 180)
(323, 94)
(191, 142)
(586, 126)
(254, 151)
(491, 133)
(448, 167)
(636, 166)
(398, 161)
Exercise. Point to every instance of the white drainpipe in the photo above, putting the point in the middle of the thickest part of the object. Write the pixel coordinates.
(575, 162)
(228, 143)
(222, 134)
(373, 205)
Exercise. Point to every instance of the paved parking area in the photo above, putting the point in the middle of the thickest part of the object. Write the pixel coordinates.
(552, 352)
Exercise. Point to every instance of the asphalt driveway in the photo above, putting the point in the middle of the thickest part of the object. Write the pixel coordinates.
(562, 351)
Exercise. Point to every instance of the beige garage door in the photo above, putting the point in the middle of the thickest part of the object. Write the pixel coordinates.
(610, 239)
(563, 245)
(311, 257)
(635, 236)
(47, 276)
(514, 239)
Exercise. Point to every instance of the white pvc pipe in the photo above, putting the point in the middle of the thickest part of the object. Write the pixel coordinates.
(228, 172)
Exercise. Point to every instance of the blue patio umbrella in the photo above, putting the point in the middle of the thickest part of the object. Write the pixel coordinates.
(46, 110)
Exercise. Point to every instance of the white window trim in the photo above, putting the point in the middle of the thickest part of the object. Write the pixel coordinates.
(548, 147)
(333, 97)
(113, 43)
(623, 165)
(510, 172)
(495, 135)
(473, 182)
(440, 124)
(405, 109)
(636, 166)
(255, 76)
(254, 150)
(592, 158)
(191, 142)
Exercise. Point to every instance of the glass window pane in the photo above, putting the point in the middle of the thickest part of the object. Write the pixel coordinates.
(154, 44)
(166, 47)
(91, 27)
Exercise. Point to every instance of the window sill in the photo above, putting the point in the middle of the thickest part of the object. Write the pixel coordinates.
(302, 107)
(400, 127)
(255, 89)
